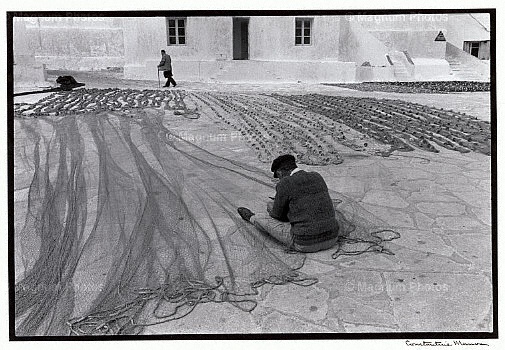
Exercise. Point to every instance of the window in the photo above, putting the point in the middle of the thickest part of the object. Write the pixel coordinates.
(303, 31)
(176, 31)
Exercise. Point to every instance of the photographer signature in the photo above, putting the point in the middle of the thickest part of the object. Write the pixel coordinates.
(443, 343)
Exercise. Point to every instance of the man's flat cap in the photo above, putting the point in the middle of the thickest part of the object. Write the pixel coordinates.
(284, 161)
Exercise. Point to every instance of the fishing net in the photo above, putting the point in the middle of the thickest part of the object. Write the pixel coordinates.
(416, 87)
(127, 225)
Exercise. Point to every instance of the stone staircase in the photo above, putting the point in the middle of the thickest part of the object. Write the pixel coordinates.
(466, 67)
(464, 72)
(401, 71)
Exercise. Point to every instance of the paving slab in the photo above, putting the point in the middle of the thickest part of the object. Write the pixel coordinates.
(440, 196)
(364, 313)
(458, 224)
(423, 221)
(423, 186)
(424, 241)
(277, 322)
(394, 218)
(432, 262)
(370, 262)
(400, 172)
(475, 248)
(364, 328)
(385, 198)
(315, 268)
(437, 302)
(483, 214)
(441, 209)
(307, 303)
(210, 318)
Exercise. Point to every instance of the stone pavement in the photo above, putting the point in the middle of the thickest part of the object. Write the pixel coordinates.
(439, 278)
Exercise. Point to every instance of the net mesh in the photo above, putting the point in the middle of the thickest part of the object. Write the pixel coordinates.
(128, 225)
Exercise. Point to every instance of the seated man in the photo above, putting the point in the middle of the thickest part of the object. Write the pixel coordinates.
(302, 214)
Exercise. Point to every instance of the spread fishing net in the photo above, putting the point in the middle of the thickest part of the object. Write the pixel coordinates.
(127, 225)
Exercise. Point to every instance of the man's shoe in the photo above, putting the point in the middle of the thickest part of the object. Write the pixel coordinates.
(245, 213)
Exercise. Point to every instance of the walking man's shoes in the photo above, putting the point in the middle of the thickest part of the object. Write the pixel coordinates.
(245, 213)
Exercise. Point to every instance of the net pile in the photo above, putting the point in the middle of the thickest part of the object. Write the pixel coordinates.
(403, 125)
(128, 101)
(416, 87)
(127, 225)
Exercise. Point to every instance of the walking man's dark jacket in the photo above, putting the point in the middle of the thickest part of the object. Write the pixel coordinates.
(165, 63)
(304, 201)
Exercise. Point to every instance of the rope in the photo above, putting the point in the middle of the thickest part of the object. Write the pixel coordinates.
(374, 246)
(188, 293)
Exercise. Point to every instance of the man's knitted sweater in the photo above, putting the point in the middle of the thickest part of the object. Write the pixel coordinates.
(304, 201)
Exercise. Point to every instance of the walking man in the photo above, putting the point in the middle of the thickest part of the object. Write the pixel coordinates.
(302, 215)
(165, 65)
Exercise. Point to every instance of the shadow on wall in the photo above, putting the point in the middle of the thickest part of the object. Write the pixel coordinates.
(358, 45)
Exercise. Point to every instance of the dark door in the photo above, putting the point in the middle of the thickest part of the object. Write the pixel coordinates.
(244, 36)
(241, 38)
(474, 51)
(472, 47)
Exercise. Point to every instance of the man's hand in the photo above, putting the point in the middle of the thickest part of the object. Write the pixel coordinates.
(270, 206)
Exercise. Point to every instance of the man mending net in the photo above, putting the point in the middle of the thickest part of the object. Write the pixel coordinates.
(302, 215)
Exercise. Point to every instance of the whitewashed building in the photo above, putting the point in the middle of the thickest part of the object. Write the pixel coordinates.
(302, 48)
(310, 48)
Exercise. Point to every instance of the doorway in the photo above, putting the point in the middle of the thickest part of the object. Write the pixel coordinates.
(240, 38)
(479, 49)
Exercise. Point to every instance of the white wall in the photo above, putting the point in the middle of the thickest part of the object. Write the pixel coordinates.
(418, 43)
(403, 22)
(356, 44)
(352, 39)
(414, 33)
(207, 38)
(76, 43)
(462, 27)
(27, 72)
(273, 38)
(208, 54)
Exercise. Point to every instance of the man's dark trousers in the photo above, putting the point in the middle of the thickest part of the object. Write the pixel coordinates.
(168, 74)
